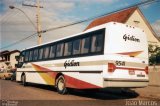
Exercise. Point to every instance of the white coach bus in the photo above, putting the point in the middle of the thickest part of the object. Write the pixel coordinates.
(109, 55)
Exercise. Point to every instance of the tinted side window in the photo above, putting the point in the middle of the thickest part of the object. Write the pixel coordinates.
(46, 52)
(76, 46)
(67, 48)
(35, 56)
(40, 53)
(22, 56)
(26, 55)
(59, 50)
(85, 45)
(23, 53)
(97, 43)
(30, 55)
(52, 51)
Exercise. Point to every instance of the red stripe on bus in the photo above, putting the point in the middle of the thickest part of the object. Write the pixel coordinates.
(79, 84)
(70, 81)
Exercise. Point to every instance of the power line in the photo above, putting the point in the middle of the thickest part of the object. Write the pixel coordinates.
(82, 21)
(91, 18)
(19, 41)
(8, 16)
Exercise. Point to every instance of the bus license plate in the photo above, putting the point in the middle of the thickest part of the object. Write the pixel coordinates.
(131, 72)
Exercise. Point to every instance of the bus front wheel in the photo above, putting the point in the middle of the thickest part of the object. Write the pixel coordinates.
(23, 80)
(60, 85)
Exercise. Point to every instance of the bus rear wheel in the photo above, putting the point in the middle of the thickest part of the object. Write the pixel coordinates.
(60, 85)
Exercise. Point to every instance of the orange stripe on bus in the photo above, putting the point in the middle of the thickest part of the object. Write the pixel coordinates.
(132, 54)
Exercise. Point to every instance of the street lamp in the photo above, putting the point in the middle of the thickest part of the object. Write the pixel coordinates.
(12, 7)
(38, 27)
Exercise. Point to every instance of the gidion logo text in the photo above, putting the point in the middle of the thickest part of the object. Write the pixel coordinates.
(130, 38)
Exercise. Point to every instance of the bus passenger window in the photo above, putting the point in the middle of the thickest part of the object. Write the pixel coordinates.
(97, 43)
(26, 55)
(59, 51)
(52, 51)
(76, 47)
(85, 45)
(22, 56)
(46, 52)
(30, 55)
(68, 49)
(35, 57)
(40, 53)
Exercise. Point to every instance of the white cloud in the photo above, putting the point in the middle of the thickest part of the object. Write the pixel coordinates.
(58, 5)
(17, 27)
(106, 1)
(109, 1)
(156, 27)
(146, 6)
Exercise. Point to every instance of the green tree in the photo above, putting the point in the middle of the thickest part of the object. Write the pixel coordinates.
(154, 54)
(158, 56)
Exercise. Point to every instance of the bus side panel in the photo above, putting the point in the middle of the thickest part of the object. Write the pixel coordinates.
(35, 77)
(80, 80)
(18, 76)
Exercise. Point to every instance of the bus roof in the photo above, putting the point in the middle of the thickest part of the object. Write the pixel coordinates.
(89, 30)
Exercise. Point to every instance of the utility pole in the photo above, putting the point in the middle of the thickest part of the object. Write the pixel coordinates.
(38, 18)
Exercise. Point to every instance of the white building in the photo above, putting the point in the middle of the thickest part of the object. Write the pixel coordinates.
(7, 58)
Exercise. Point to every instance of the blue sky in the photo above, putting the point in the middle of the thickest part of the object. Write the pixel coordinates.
(15, 26)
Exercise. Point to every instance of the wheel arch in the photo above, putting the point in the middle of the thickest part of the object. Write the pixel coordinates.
(22, 74)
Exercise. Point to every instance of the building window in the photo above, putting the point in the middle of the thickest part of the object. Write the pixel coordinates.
(59, 50)
(46, 52)
(40, 53)
(97, 43)
(52, 51)
(85, 45)
(68, 49)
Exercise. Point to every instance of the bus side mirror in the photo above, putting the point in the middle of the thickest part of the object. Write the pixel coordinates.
(17, 58)
(16, 65)
(19, 65)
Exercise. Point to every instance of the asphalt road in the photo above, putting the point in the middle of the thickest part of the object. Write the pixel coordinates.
(39, 95)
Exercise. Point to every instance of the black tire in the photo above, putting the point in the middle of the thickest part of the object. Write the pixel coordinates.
(61, 85)
(12, 79)
(4, 77)
(23, 80)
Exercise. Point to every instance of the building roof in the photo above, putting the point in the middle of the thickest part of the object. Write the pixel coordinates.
(121, 17)
(3, 52)
(14, 51)
(6, 52)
